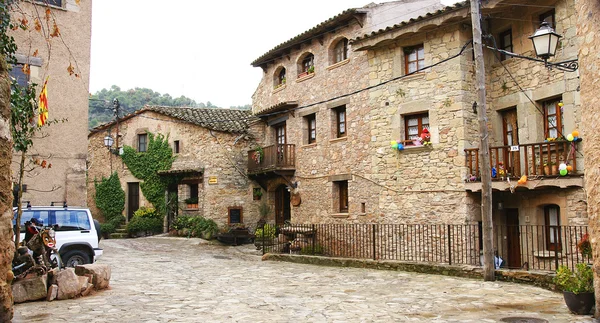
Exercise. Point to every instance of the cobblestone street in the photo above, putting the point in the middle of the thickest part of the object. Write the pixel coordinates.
(164, 279)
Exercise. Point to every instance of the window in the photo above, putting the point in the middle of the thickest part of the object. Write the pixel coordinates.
(307, 65)
(57, 3)
(414, 58)
(548, 17)
(553, 232)
(280, 77)
(142, 142)
(311, 123)
(280, 134)
(235, 215)
(340, 51)
(343, 196)
(176, 146)
(340, 121)
(18, 74)
(414, 125)
(553, 123)
(193, 192)
(506, 43)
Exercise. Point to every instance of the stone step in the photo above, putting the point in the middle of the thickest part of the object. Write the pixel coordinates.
(118, 235)
(121, 230)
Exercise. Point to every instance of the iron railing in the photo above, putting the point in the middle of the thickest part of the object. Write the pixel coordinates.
(274, 157)
(528, 247)
(536, 159)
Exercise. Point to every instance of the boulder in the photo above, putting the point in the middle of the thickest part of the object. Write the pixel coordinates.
(84, 281)
(30, 289)
(100, 274)
(68, 284)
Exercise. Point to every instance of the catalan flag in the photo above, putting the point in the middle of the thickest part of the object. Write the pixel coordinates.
(43, 105)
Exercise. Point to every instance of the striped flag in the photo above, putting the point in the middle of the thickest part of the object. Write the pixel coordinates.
(43, 105)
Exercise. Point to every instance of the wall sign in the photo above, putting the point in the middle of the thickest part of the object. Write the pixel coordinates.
(212, 180)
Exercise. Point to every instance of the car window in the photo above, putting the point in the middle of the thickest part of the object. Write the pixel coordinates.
(29, 214)
(72, 220)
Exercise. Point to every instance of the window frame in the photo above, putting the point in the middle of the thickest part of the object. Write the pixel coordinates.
(419, 116)
(16, 72)
(504, 45)
(559, 118)
(51, 3)
(280, 78)
(280, 134)
(229, 214)
(311, 124)
(341, 126)
(306, 62)
(550, 230)
(407, 61)
(139, 142)
(176, 146)
(340, 50)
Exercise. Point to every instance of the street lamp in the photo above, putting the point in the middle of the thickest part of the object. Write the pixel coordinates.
(108, 141)
(545, 41)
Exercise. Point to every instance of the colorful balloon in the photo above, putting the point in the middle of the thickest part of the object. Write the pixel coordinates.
(563, 172)
(400, 147)
(570, 137)
(575, 133)
(394, 144)
(562, 166)
(569, 168)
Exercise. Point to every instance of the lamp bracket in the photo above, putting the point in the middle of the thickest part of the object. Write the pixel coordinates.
(567, 66)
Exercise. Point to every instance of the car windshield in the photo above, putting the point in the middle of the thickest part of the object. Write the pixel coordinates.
(67, 220)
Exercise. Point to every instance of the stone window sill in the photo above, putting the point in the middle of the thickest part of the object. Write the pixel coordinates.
(340, 215)
(304, 78)
(416, 76)
(338, 64)
(338, 139)
(310, 145)
(417, 148)
(279, 88)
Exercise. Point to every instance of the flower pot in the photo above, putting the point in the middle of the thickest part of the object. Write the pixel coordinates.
(554, 169)
(581, 303)
(547, 171)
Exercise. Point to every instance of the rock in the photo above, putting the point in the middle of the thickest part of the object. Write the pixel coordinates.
(68, 284)
(30, 289)
(52, 293)
(52, 276)
(88, 290)
(83, 283)
(100, 274)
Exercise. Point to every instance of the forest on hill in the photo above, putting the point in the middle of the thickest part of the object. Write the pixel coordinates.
(101, 103)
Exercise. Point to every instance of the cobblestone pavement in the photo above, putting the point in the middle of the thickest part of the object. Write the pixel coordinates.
(164, 279)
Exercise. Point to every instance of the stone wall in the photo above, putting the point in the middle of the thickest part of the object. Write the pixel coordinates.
(64, 144)
(217, 154)
(588, 20)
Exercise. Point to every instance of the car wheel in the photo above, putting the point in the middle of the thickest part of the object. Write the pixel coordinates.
(75, 257)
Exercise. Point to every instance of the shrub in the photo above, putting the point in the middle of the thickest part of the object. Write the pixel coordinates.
(195, 226)
(585, 246)
(579, 281)
(147, 212)
(144, 224)
(266, 232)
(107, 228)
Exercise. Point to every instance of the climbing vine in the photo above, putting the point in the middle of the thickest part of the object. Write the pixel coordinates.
(146, 165)
(110, 200)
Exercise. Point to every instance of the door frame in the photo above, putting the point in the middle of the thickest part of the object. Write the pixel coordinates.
(283, 210)
(513, 238)
(129, 199)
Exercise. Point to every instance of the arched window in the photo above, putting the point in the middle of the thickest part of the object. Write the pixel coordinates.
(279, 79)
(306, 65)
(340, 51)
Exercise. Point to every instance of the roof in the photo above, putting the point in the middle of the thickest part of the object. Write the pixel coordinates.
(456, 6)
(226, 120)
(281, 106)
(326, 25)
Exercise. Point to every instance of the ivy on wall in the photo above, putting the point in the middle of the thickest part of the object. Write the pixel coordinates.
(146, 165)
(110, 200)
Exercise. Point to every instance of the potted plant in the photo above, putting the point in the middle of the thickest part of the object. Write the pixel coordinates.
(585, 247)
(311, 69)
(192, 202)
(258, 154)
(577, 287)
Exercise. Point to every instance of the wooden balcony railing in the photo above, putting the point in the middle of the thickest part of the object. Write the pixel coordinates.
(537, 159)
(275, 157)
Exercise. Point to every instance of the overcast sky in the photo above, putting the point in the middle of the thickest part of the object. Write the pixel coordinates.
(199, 49)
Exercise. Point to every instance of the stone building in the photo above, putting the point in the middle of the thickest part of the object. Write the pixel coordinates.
(66, 62)
(210, 147)
(419, 74)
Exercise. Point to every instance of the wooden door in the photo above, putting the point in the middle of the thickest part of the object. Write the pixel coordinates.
(513, 238)
(510, 136)
(133, 199)
(282, 205)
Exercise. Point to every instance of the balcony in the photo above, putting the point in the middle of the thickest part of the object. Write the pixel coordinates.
(275, 158)
(539, 161)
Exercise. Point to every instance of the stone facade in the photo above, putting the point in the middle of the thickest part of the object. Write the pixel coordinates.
(206, 155)
(63, 144)
(588, 17)
(430, 183)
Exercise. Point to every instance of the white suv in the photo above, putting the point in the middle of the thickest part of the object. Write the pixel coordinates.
(77, 233)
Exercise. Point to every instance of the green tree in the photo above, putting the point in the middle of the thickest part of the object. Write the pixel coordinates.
(110, 200)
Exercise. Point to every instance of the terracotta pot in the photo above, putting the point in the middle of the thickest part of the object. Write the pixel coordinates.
(581, 303)
(547, 170)
(554, 169)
